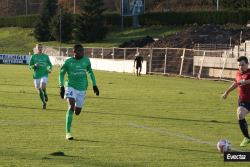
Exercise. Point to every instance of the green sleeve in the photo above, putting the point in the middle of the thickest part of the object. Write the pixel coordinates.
(91, 74)
(62, 73)
(31, 64)
(49, 63)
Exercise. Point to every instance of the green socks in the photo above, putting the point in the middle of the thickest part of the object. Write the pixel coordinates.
(42, 97)
(69, 117)
(44, 91)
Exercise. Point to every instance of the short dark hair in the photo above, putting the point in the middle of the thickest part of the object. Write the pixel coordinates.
(243, 58)
(76, 46)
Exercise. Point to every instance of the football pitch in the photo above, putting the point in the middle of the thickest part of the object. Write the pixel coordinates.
(152, 120)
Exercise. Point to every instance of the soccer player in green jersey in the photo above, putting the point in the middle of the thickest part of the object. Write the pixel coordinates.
(76, 84)
(39, 63)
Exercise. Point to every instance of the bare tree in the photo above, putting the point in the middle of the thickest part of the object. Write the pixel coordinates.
(72, 5)
(3, 9)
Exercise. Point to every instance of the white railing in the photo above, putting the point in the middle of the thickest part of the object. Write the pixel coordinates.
(200, 64)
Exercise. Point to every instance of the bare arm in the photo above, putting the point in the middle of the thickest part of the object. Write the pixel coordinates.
(50, 65)
(230, 89)
(243, 82)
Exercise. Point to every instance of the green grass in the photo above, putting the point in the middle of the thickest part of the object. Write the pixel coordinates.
(105, 133)
(16, 40)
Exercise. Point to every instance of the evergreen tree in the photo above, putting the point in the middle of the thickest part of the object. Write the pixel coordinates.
(67, 26)
(42, 30)
(90, 23)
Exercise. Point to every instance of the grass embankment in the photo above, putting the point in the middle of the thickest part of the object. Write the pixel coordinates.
(16, 40)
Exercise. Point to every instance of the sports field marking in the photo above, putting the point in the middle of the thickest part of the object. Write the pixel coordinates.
(194, 80)
(139, 126)
(181, 136)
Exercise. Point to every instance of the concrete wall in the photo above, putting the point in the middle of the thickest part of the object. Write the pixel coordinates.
(217, 62)
(227, 73)
(116, 65)
(212, 66)
(105, 64)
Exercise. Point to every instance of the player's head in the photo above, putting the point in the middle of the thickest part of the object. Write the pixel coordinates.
(78, 51)
(39, 48)
(243, 63)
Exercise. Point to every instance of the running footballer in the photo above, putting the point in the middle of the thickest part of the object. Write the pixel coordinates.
(242, 81)
(74, 88)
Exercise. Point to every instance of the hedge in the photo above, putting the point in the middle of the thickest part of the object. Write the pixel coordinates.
(114, 18)
(190, 17)
(23, 21)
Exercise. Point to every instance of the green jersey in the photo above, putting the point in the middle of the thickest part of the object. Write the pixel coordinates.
(41, 70)
(76, 70)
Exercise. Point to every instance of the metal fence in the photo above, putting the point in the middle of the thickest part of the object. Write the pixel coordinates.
(210, 47)
(19, 7)
(200, 64)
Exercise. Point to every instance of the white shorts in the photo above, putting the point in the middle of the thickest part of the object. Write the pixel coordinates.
(38, 82)
(78, 95)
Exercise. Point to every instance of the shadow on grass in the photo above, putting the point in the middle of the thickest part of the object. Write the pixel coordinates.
(177, 119)
(169, 148)
(35, 93)
(18, 85)
(91, 141)
(30, 86)
(59, 153)
(143, 145)
(5, 106)
(59, 97)
(138, 145)
(103, 97)
(17, 92)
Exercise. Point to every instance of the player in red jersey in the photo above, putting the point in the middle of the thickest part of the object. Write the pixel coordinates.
(242, 81)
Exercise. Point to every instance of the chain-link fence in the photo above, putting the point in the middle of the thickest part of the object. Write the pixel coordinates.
(19, 7)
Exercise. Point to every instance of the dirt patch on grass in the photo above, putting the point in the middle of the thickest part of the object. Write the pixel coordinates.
(206, 34)
(137, 43)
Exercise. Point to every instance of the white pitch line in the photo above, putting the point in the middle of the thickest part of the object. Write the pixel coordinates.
(156, 130)
(181, 136)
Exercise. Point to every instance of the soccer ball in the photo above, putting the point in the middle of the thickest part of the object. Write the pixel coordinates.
(224, 145)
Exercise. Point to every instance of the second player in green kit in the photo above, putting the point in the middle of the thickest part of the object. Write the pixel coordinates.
(74, 88)
(39, 63)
